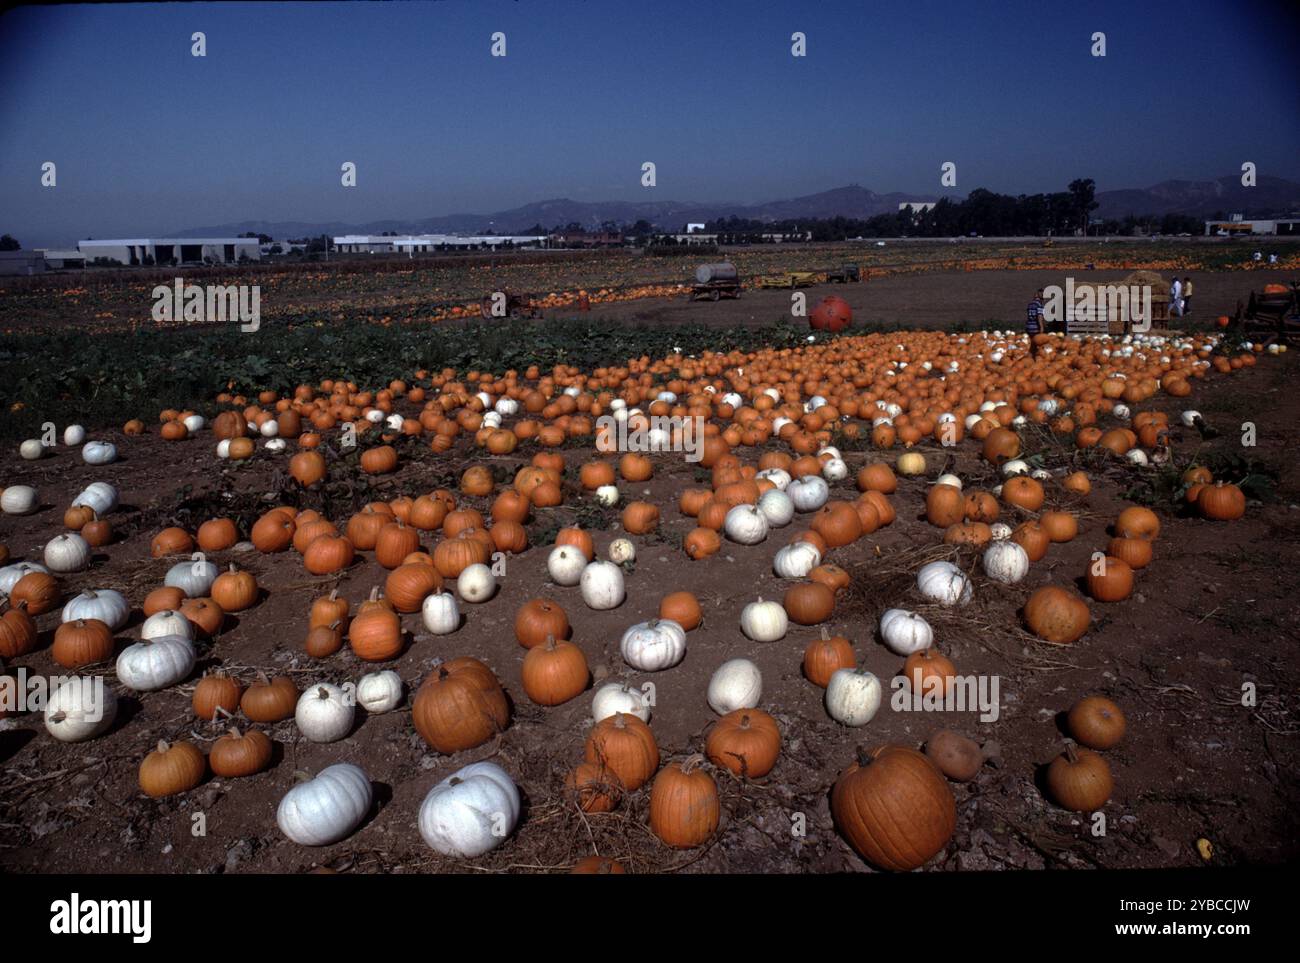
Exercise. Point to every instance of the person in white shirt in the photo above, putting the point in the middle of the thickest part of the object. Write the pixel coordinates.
(1176, 299)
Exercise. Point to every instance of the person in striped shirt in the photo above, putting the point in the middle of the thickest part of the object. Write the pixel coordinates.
(1034, 316)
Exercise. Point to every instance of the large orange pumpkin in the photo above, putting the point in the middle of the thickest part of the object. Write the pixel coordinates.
(895, 808)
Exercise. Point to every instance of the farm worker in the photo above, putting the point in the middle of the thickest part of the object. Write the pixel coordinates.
(1272, 259)
(1187, 295)
(1034, 322)
(1176, 298)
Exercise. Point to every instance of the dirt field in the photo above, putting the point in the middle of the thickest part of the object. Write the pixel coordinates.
(1214, 611)
(931, 300)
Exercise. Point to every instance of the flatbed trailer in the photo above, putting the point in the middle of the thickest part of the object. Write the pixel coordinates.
(714, 290)
(788, 279)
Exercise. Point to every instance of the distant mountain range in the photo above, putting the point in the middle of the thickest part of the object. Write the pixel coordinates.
(1194, 198)
(1270, 195)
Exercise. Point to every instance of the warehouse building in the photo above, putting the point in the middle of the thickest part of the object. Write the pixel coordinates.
(1282, 227)
(21, 263)
(56, 260)
(171, 250)
(423, 243)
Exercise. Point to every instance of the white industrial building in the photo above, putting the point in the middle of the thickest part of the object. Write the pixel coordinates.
(166, 250)
(413, 243)
(1286, 227)
(56, 260)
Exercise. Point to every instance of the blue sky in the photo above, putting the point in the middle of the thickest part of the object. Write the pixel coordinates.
(148, 138)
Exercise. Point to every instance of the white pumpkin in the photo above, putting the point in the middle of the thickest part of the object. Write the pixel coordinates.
(107, 605)
(156, 663)
(1122, 412)
(737, 684)
(615, 697)
(1015, 466)
(476, 583)
(602, 585)
(324, 712)
(853, 697)
(1189, 418)
(808, 493)
(100, 497)
(777, 476)
(31, 449)
(999, 530)
(18, 500)
(271, 428)
(471, 812)
(621, 551)
(796, 560)
(949, 479)
(905, 632)
(1006, 562)
(99, 453)
(223, 448)
(67, 552)
(776, 508)
(745, 524)
(764, 621)
(10, 574)
(910, 463)
(79, 709)
(379, 692)
(565, 565)
(945, 583)
(440, 613)
(275, 444)
(1137, 457)
(607, 495)
(834, 469)
(194, 577)
(74, 435)
(194, 423)
(653, 646)
(167, 622)
(326, 809)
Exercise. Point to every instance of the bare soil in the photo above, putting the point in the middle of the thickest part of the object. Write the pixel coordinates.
(1213, 612)
(936, 300)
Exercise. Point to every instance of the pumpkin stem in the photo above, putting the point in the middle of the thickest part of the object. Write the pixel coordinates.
(334, 594)
(374, 593)
(691, 763)
(58, 717)
(322, 692)
(262, 678)
(864, 757)
(1071, 756)
(744, 721)
(333, 626)
(550, 642)
(234, 733)
(162, 745)
(825, 635)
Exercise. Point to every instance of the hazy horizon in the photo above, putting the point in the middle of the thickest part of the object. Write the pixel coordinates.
(149, 139)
